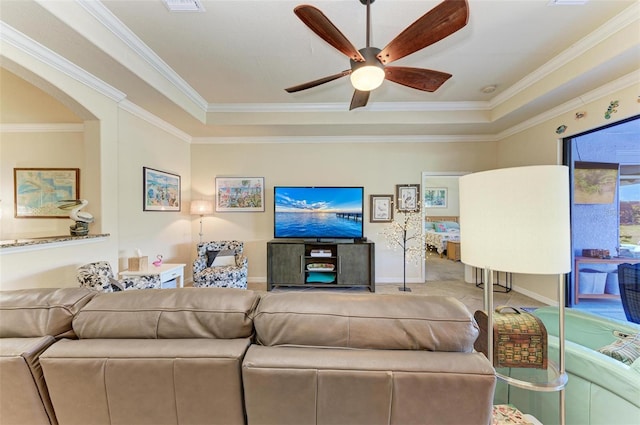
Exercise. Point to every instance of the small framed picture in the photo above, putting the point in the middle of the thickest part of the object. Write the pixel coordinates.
(239, 194)
(408, 197)
(161, 190)
(435, 197)
(381, 210)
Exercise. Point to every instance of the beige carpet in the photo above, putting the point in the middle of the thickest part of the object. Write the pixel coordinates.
(443, 277)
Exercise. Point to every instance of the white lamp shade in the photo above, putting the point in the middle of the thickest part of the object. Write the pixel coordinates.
(201, 207)
(516, 220)
(367, 78)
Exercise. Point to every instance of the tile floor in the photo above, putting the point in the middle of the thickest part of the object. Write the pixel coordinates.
(446, 277)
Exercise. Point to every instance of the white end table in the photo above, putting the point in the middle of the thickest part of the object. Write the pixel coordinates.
(166, 271)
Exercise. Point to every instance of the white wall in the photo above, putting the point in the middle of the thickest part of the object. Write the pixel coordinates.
(37, 150)
(141, 144)
(376, 166)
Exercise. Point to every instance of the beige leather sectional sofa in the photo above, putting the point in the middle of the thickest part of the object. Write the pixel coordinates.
(229, 356)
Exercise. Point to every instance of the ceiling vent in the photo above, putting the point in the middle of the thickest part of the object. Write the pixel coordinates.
(567, 2)
(184, 5)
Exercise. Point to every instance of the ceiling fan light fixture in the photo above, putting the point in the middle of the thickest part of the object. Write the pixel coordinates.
(367, 75)
(367, 78)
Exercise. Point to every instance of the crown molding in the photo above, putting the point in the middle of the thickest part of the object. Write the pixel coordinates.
(113, 24)
(344, 139)
(42, 128)
(341, 107)
(147, 116)
(623, 19)
(573, 104)
(36, 50)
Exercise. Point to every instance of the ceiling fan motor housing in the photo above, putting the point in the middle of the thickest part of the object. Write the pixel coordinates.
(370, 58)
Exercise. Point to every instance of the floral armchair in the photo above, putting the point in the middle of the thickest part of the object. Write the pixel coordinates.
(99, 277)
(220, 264)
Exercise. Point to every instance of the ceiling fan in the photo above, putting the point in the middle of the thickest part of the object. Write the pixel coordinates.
(369, 66)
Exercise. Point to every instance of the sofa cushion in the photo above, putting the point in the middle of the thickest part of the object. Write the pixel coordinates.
(146, 381)
(28, 313)
(400, 322)
(168, 313)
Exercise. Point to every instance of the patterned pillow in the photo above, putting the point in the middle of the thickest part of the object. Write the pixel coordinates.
(440, 227)
(226, 257)
(626, 349)
(211, 256)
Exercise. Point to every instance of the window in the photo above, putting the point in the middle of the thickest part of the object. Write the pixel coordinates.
(629, 205)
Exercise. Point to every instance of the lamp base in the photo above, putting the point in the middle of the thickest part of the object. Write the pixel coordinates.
(404, 289)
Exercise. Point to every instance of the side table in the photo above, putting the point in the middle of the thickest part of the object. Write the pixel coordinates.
(166, 271)
(453, 250)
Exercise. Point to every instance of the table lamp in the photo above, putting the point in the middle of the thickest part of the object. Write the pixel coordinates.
(517, 220)
(201, 207)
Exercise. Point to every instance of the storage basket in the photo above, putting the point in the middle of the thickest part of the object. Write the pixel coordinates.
(612, 286)
(592, 281)
(519, 338)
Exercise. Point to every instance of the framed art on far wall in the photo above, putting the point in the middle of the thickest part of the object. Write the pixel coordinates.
(381, 208)
(408, 197)
(239, 194)
(161, 190)
(435, 197)
(39, 191)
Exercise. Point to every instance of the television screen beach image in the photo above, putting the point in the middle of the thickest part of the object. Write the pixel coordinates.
(318, 212)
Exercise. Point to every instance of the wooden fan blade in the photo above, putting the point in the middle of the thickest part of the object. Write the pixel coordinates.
(440, 22)
(416, 78)
(359, 99)
(315, 83)
(321, 25)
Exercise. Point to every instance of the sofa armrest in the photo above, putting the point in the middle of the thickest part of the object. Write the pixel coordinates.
(242, 261)
(600, 369)
(583, 328)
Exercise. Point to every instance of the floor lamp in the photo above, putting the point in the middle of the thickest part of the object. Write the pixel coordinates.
(517, 220)
(201, 207)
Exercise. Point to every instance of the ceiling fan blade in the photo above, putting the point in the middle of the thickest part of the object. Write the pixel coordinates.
(317, 82)
(416, 78)
(359, 99)
(321, 25)
(440, 22)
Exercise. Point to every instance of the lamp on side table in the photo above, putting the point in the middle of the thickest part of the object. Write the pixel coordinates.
(201, 207)
(529, 206)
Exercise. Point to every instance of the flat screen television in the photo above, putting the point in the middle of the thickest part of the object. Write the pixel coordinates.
(315, 212)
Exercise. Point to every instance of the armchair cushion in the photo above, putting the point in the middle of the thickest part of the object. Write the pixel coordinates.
(99, 276)
(220, 264)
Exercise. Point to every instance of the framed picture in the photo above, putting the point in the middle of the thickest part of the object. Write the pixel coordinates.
(435, 197)
(239, 194)
(408, 196)
(161, 190)
(39, 191)
(381, 210)
(594, 182)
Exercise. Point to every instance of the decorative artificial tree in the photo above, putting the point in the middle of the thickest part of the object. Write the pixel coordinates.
(405, 233)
